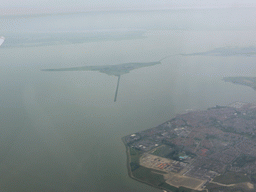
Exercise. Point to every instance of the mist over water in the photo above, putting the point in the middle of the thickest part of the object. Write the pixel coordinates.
(61, 131)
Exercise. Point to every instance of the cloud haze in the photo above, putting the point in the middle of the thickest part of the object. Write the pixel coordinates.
(47, 6)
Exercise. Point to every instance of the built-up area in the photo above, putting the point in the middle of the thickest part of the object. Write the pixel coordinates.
(193, 148)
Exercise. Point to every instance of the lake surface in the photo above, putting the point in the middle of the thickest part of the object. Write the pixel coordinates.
(61, 131)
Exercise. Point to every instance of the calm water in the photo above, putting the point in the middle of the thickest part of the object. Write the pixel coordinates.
(62, 131)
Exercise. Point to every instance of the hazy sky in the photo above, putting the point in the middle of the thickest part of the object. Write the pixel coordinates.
(33, 6)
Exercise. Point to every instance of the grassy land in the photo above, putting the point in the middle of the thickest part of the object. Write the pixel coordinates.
(180, 189)
(232, 178)
(253, 178)
(216, 188)
(147, 176)
(243, 159)
(135, 155)
(158, 151)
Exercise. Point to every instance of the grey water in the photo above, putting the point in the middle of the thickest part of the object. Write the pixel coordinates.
(62, 131)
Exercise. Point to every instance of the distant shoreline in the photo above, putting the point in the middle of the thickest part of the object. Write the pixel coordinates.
(37, 12)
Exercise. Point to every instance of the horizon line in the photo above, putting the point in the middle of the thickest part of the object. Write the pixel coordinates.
(35, 11)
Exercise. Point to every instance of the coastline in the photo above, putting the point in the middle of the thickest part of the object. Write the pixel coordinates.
(128, 161)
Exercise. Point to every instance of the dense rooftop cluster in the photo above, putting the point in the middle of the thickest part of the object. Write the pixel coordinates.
(209, 142)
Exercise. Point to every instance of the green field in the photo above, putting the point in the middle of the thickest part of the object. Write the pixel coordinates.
(180, 189)
(232, 178)
(146, 175)
(216, 188)
(243, 159)
(135, 155)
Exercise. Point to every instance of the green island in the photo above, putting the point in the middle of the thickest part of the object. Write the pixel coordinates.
(247, 81)
(205, 150)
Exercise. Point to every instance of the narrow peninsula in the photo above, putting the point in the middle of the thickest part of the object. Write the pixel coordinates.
(246, 81)
(112, 70)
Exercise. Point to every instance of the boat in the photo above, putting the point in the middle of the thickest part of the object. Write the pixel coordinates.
(1, 40)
